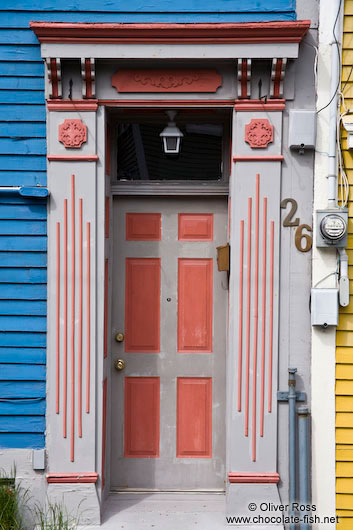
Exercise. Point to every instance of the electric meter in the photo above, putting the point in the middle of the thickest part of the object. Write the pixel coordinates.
(333, 227)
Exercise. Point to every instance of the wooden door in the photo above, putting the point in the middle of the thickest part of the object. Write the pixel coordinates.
(169, 301)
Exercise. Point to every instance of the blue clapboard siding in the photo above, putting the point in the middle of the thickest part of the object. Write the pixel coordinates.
(22, 355)
(25, 178)
(23, 162)
(108, 6)
(22, 389)
(9, 275)
(23, 259)
(16, 227)
(22, 424)
(21, 441)
(22, 307)
(22, 407)
(23, 293)
(23, 323)
(21, 146)
(22, 372)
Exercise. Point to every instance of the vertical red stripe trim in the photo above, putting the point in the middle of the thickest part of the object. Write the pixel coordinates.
(244, 78)
(88, 317)
(80, 308)
(88, 78)
(106, 269)
(73, 250)
(277, 80)
(65, 322)
(107, 151)
(271, 318)
(57, 317)
(54, 78)
(240, 342)
(256, 316)
(263, 331)
(107, 217)
(104, 429)
(248, 305)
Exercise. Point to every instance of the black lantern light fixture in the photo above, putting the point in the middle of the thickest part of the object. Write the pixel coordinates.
(171, 135)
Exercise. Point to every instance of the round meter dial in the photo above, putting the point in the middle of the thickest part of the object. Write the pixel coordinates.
(333, 227)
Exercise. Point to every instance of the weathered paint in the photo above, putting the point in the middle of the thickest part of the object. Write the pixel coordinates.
(344, 350)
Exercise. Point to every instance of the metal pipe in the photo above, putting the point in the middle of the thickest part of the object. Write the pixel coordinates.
(292, 441)
(335, 77)
(303, 465)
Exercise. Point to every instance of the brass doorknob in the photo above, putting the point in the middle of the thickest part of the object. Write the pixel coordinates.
(119, 337)
(119, 365)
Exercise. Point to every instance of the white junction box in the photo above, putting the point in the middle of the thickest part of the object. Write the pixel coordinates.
(302, 129)
(324, 307)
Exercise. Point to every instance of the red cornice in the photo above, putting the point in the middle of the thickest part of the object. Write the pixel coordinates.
(60, 105)
(233, 33)
(253, 478)
(258, 158)
(72, 158)
(259, 104)
(70, 478)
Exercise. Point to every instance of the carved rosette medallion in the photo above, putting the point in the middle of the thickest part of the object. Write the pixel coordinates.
(259, 133)
(72, 133)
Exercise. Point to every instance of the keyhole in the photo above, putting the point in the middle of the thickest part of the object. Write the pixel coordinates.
(169, 299)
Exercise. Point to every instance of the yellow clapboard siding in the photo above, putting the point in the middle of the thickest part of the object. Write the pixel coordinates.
(344, 403)
(344, 355)
(347, 57)
(344, 455)
(346, 70)
(344, 485)
(346, 321)
(349, 308)
(345, 523)
(344, 371)
(348, 7)
(344, 338)
(344, 469)
(344, 436)
(344, 388)
(348, 158)
(344, 501)
(344, 513)
(344, 419)
(343, 447)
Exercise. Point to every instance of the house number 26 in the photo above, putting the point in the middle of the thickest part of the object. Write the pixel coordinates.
(303, 241)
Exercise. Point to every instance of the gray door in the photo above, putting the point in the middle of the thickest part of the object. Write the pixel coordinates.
(169, 302)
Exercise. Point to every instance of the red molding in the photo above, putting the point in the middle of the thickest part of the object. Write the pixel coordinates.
(71, 478)
(63, 105)
(167, 102)
(73, 158)
(249, 32)
(274, 158)
(259, 105)
(253, 478)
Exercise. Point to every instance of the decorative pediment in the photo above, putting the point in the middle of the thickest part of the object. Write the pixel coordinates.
(161, 80)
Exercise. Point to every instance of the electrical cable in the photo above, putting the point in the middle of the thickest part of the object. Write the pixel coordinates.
(339, 59)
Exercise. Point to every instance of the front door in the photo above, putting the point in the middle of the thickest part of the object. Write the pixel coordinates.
(169, 303)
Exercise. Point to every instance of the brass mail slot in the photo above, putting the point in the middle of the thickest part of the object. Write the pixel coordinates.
(223, 257)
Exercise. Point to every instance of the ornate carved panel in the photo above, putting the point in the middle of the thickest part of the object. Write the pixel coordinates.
(72, 133)
(259, 133)
(175, 80)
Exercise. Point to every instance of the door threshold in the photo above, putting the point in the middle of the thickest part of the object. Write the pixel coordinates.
(181, 492)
